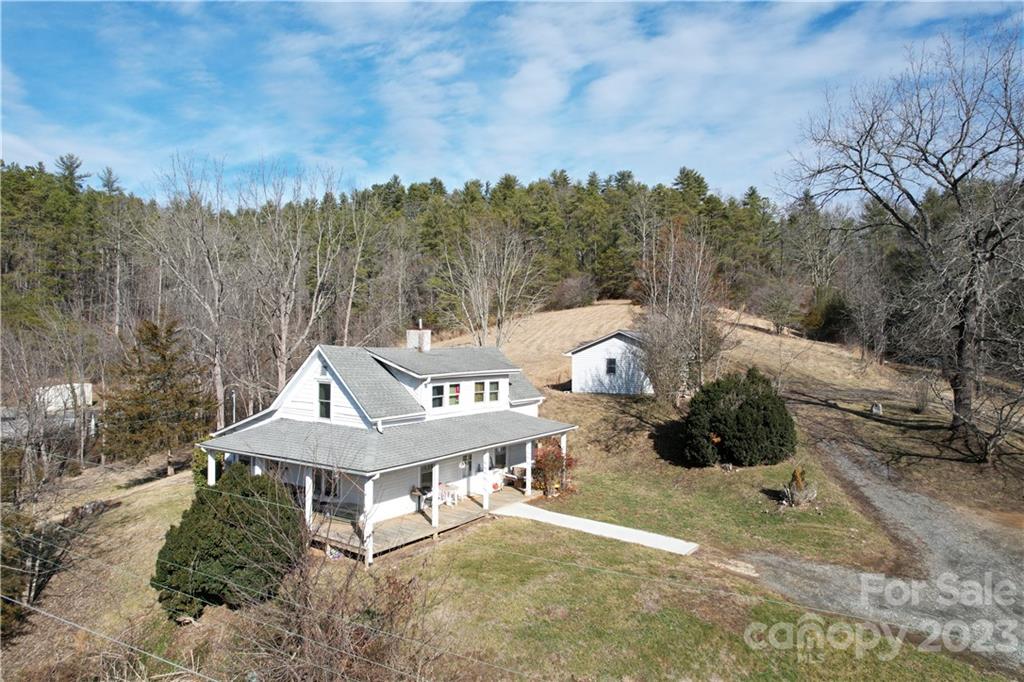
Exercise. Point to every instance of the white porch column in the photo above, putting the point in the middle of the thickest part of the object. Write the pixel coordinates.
(368, 521)
(435, 488)
(563, 442)
(487, 479)
(211, 469)
(309, 495)
(529, 468)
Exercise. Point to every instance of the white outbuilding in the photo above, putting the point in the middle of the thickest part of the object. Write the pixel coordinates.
(610, 364)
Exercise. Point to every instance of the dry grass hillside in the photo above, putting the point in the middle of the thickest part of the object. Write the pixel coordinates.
(830, 388)
(538, 342)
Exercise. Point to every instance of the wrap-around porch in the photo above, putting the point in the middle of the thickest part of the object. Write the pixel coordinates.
(365, 514)
(347, 534)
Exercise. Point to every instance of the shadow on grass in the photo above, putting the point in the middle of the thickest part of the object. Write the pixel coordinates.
(562, 386)
(911, 441)
(155, 473)
(922, 424)
(665, 427)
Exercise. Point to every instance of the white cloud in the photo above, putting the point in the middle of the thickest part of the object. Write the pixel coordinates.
(462, 91)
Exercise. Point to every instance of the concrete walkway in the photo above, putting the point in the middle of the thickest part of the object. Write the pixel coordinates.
(522, 510)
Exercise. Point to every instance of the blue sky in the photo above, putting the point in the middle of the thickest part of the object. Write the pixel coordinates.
(456, 91)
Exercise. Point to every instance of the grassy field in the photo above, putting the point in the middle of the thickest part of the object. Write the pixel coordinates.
(552, 603)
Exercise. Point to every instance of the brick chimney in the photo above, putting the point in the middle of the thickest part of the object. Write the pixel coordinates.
(418, 338)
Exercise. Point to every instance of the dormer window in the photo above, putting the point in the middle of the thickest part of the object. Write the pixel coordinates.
(325, 400)
(453, 394)
(494, 391)
(478, 392)
(437, 396)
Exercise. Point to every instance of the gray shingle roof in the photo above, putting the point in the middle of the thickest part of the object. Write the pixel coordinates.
(379, 393)
(446, 360)
(520, 388)
(367, 451)
(630, 334)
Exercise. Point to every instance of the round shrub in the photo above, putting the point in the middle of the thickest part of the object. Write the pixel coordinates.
(739, 420)
(233, 545)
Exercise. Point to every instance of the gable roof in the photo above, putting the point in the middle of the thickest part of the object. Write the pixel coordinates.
(520, 389)
(630, 334)
(446, 361)
(368, 451)
(379, 394)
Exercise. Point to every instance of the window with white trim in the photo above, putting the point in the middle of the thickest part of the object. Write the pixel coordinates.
(437, 396)
(494, 391)
(453, 394)
(609, 366)
(478, 391)
(324, 397)
(500, 458)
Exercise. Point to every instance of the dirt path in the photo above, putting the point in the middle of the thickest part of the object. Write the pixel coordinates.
(960, 553)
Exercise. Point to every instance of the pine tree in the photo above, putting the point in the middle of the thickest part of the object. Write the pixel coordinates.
(160, 403)
(232, 546)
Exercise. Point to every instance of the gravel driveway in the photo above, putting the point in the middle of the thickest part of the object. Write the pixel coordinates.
(960, 553)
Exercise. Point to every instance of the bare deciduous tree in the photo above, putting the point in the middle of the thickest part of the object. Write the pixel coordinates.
(491, 274)
(195, 243)
(679, 330)
(943, 137)
(295, 241)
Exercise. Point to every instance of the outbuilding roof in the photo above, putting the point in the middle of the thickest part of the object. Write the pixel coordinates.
(630, 334)
(367, 451)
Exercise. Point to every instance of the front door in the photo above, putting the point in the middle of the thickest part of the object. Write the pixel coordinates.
(467, 465)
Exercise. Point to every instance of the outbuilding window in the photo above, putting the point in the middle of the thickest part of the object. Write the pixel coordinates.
(437, 396)
(609, 366)
(453, 393)
(478, 391)
(325, 401)
(494, 391)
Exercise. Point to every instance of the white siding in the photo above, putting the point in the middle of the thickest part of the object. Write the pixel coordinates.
(301, 400)
(467, 399)
(589, 369)
(391, 496)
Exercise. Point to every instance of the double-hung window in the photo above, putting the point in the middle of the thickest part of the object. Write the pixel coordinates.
(500, 458)
(478, 391)
(453, 393)
(493, 391)
(325, 400)
(437, 396)
(609, 366)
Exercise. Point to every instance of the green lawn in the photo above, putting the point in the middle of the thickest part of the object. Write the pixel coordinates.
(622, 478)
(511, 594)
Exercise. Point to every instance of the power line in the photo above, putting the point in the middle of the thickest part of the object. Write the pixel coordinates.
(209, 603)
(107, 637)
(258, 594)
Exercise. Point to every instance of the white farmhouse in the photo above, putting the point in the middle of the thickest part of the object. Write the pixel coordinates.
(385, 446)
(610, 364)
